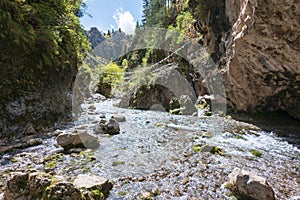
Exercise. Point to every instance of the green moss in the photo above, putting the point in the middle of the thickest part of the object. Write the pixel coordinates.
(256, 153)
(87, 154)
(51, 164)
(196, 148)
(97, 194)
(53, 157)
(122, 193)
(217, 151)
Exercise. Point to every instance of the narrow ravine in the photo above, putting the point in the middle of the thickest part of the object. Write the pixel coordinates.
(156, 155)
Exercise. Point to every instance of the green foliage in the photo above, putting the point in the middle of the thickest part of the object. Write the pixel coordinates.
(111, 74)
(144, 62)
(125, 63)
(40, 37)
(256, 153)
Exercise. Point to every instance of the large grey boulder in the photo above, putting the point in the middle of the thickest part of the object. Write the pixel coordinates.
(77, 139)
(246, 185)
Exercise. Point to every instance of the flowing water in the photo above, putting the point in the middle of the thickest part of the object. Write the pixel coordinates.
(156, 154)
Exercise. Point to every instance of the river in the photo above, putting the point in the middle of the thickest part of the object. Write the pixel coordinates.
(157, 153)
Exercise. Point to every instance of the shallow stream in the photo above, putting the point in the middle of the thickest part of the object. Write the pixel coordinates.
(156, 155)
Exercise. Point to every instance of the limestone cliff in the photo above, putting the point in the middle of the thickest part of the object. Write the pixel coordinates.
(256, 44)
(39, 57)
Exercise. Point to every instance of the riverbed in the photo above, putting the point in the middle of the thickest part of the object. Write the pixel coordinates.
(156, 154)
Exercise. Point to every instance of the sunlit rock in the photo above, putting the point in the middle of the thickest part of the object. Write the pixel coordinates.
(96, 187)
(77, 139)
(119, 118)
(246, 185)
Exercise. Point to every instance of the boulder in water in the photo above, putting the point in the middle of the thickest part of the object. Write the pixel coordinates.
(119, 117)
(246, 185)
(77, 139)
(110, 127)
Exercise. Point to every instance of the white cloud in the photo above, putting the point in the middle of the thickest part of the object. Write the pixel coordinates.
(125, 21)
(112, 27)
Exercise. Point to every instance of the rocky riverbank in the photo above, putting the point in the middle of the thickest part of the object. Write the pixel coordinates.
(161, 156)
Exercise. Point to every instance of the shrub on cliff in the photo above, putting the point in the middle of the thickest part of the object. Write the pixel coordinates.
(110, 76)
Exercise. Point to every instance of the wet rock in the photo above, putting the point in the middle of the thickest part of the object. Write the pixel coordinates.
(92, 107)
(32, 186)
(110, 127)
(246, 185)
(27, 142)
(34, 142)
(82, 127)
(26, 186)
(37, 183)
(16, 187)
(146, 196)
(99, 97)
(29, 130)
(96, 187)
(102, 116)
(63, 190)
(78, 139)
(56, 133)
(119, 117)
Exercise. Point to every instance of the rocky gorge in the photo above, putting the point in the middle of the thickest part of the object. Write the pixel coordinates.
(102, 151)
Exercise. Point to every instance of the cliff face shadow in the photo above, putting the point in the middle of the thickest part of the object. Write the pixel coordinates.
(279, 122)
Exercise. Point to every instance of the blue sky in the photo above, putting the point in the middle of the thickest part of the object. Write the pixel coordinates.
(108, 14)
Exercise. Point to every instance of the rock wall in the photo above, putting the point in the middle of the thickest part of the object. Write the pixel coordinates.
(39, 57)
(27, 111)
(259, 54)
